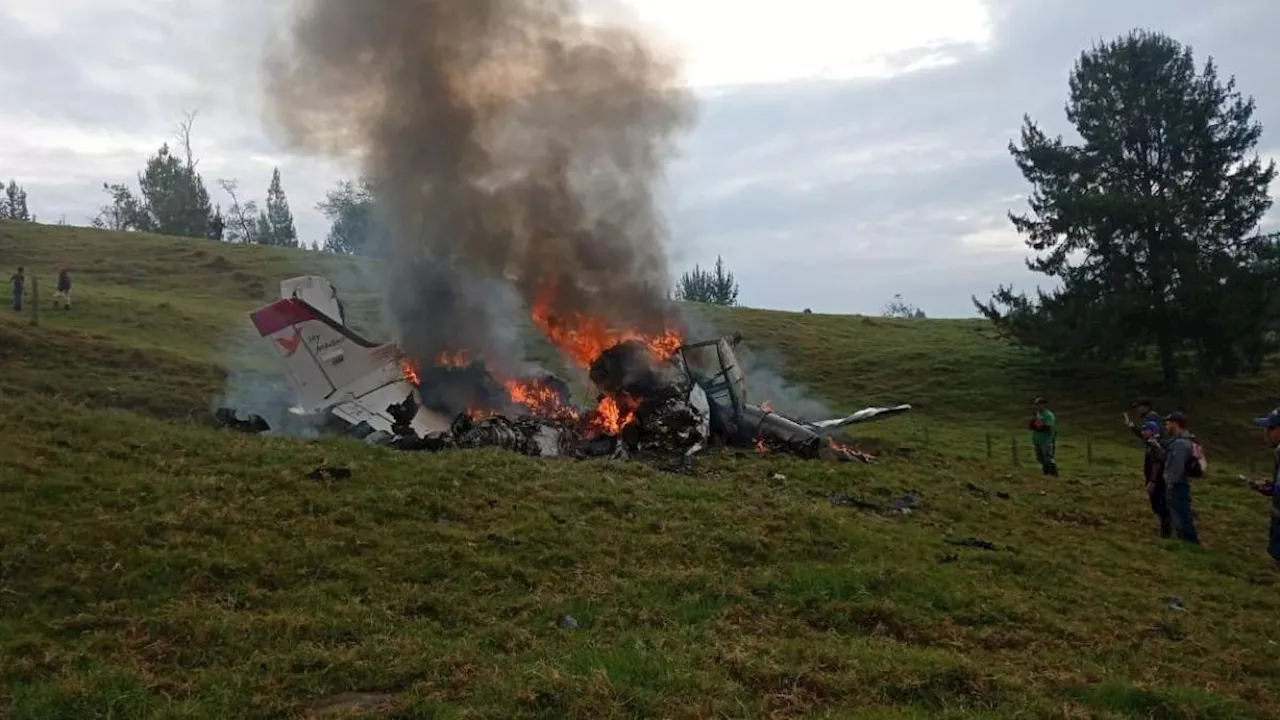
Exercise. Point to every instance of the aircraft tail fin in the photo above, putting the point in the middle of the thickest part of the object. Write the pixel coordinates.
(327, 362)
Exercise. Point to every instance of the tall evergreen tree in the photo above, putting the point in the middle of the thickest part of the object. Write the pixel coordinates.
(13, 206)
(1150, 224)
(716, 287)
(264, 234)
(174, 196)
(280, 219)
(353, 221)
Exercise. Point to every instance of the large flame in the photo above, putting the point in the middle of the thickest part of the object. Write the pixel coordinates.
(583, 338)
(610, 417)
(540, 398)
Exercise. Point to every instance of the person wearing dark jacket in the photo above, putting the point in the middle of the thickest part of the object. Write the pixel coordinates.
(1271, 431)
(64, 288)
(1175, 455)
(19, 282)
(1149, 426)
(1153, 476)
(1145, 415)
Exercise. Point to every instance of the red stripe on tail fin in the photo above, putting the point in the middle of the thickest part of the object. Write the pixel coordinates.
(280, 315)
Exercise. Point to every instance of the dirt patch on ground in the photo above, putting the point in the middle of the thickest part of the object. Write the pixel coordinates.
(219, 263)
(351, 702)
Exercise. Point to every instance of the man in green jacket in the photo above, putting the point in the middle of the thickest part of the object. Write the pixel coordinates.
(1044, 432)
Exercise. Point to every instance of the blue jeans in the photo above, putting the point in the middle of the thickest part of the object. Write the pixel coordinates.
(17, 299)
(1179, 501)
(1045, 456)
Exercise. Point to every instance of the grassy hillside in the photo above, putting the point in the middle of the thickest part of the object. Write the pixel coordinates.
(154, 566)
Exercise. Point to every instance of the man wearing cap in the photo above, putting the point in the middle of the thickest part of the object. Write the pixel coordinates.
(1043, 427)
(1149, 426)
(1271, 431)
(1175, 453)
(1153, 476)
(1145, 415)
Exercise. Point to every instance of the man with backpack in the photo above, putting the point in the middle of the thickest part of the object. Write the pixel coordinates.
(1183, 459)
(1271, 431)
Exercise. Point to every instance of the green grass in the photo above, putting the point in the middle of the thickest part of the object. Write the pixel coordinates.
(154, 566)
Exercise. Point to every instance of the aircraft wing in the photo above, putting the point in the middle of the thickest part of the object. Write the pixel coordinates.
(824, 427)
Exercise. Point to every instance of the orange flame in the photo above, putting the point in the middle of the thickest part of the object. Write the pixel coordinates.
(848, 451)
(584, 338)
(541, 399)
(766, 406)
(409, 371)
(475, 412)
(761, 447)
(458, 358)
(610, 417)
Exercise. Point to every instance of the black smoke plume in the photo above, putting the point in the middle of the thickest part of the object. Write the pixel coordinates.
(508, 142)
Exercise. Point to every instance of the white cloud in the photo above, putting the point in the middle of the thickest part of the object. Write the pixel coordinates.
(728, 42)
(998, 239)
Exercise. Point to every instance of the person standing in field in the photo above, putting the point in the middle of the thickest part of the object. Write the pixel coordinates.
(1153, 475)
(64, 288)
(1183, 460)
(1147, 428)
(1146, 414)
(1044, 431)
(19, 281)
(1271, 431)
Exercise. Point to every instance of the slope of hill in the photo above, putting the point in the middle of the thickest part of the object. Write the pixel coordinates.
(153, 566)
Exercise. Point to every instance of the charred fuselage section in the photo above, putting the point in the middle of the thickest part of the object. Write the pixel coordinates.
(649, 405)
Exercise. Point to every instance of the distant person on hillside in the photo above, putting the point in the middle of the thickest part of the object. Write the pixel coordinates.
(19, 281)
(1271, 486)
(1153, 476)
(1182, 461)
(64, 288)
(1044, 430)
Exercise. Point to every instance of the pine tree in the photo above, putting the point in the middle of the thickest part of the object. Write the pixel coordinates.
(350, 210)
(14, 204)
(706, 286)
(1151, 223)
(174, 196)
(263, 233)
(280, 219)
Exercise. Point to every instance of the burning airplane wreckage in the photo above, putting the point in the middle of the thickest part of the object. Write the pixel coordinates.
(659, 397)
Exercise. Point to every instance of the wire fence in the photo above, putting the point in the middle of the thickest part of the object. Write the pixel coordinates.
(1090, 451)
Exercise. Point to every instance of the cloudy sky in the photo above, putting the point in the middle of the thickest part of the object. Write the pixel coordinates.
(846, 150)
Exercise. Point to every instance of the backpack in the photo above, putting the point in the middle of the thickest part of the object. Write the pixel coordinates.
(1197, 465)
